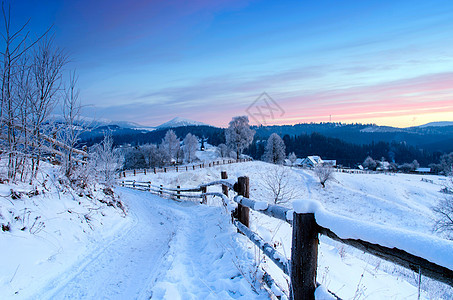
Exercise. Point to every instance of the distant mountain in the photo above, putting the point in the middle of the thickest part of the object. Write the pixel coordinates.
(88, 122)
(436, 124)
(431, 138)
(180, 122)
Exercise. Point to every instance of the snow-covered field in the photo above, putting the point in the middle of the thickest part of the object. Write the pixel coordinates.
(168, 250)
(399, 201)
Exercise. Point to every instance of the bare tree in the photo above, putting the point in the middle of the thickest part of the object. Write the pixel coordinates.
(277, 183)
(190, 147)
(48, 62)
(444, 211)
(238, 135)
(324, 173)
(71, 130)
(16, 93)
(275, 150)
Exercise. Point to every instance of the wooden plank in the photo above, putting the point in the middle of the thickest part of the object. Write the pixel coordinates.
(267, 249)
(398, 257)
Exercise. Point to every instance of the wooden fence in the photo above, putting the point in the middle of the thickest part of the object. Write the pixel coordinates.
(181, 168)
(302, 266)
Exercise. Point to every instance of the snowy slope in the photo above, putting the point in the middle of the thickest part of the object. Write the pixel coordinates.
(437, 124)
(402, 201)
(49, 232)
(178, 122)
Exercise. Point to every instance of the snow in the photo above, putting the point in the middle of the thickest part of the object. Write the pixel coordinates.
(71, 228)
(161, 250)
(400, 201)
(433, 249)
(178, 122)
(164, 249)
(321, 293)
(261, 205)
(437, 124)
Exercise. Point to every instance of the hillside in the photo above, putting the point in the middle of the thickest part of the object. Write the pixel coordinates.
(396, 200)
(430, 138)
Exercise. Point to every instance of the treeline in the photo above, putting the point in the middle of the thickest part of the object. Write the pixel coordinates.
(346, 154)
(209, 134)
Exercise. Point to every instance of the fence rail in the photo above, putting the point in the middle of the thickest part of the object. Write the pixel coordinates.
(181, 168)
(302, 266)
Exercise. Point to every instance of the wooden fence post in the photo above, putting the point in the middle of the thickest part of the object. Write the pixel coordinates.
(177, 169)
(135, 172)
(304, 257)
(133, 184)
(204, 197)
(144, 171)
(193, 167)
(124, 174)
(224, 175)
(165, 170)
(187, 168)
(178, 192)
(149, 186)
(160, 189)
(243, 189)
(155, 172)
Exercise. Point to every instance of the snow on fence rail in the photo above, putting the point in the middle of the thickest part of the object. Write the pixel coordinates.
(427, 255)
(145, 171)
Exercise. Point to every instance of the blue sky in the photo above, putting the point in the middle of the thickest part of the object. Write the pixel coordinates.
(386, 62)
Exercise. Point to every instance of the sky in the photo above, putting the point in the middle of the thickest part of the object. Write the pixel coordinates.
(383, 62)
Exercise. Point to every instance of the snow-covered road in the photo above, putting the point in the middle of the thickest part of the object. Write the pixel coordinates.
(171, 251)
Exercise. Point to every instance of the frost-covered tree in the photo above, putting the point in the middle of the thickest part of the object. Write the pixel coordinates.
(223, 150)
(238, 135)
(369, 163)
(409, 167)
(170, 145)
(275, 150)
(292, 157)
(105, 161)
(153, 156)
(324, 173)
(446, 163)
(190, 147)
(444, 211)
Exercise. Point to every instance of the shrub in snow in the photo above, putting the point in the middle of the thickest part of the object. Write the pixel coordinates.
(324, 173)
(238, 135)
(275, 150)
